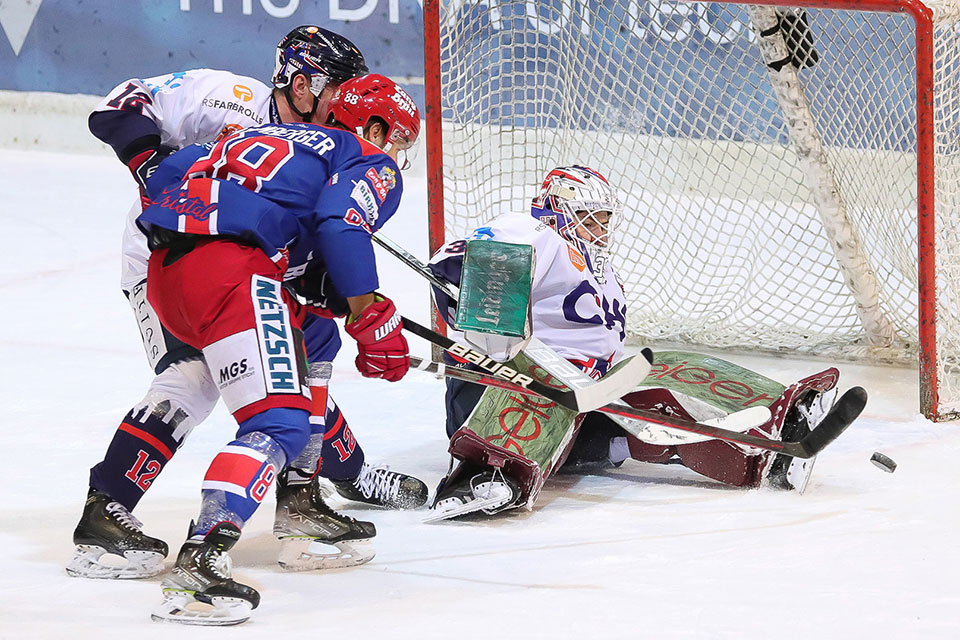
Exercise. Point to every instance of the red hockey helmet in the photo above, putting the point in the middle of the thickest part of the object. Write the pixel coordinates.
(359, 99)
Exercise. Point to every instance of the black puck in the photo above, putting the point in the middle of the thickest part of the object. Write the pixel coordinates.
(883, 462)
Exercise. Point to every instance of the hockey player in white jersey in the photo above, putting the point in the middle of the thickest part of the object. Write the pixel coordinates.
(505, 445)
(144, 121)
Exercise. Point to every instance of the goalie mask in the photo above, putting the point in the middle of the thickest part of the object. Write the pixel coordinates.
(580, 205)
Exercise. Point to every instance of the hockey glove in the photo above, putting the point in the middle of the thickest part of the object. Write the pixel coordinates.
(321, 298)
(143, 165)
(382, 349)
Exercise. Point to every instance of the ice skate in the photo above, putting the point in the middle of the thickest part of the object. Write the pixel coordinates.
(473, 491)
(314, 536)
(199, 589)
(794, 473)
(110, 543)
(379, 486)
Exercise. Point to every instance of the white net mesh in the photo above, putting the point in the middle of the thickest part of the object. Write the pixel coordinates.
(724, 242)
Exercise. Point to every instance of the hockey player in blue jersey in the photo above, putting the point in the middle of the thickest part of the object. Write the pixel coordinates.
(232, 221)
(144, 120)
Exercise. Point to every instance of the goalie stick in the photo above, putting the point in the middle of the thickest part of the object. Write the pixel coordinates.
(844, 411)
(738, 421)
(587, 398)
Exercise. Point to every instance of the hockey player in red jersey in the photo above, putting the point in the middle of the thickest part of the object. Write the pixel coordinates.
(144, 120)
(505, 445)
(265, 205)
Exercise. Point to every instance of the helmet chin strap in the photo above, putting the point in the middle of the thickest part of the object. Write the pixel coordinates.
(307, 116)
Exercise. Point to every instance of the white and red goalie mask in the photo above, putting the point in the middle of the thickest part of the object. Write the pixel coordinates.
(580, 205)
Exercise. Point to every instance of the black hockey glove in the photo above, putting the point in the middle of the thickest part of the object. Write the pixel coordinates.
(316, 291)
(145, 163)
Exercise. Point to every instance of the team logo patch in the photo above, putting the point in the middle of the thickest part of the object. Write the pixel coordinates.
(227, 130)
(388, 177)
(242, 92)
(482, 233)
(354, 218)
(378, 187)
(362, 194)
(576, 259)
(275, 334)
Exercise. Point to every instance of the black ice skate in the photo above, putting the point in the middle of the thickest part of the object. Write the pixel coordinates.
(794, 473)
(473, 490)
(314, 536)
(379, 486)
(199, 589)
(106, 528)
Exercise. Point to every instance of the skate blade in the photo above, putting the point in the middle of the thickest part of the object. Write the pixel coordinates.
(486, 504)
(182, 607)
(91, 561)
(310, 554)
(799, 472)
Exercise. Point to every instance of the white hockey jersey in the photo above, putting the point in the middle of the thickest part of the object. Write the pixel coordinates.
(188, 107)
(581, 318)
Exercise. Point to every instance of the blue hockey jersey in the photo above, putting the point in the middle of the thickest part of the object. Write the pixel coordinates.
(306, 195)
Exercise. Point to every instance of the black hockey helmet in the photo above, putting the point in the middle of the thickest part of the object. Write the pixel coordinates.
(313, 51)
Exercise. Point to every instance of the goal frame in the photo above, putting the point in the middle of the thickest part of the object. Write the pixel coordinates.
(926, 246)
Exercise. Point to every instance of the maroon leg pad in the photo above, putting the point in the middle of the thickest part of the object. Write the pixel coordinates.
(467, 446)
(716, 459)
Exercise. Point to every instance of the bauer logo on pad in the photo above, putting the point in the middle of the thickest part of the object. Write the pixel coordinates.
(495, 288)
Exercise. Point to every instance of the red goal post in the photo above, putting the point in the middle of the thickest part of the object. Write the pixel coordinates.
(804, 208)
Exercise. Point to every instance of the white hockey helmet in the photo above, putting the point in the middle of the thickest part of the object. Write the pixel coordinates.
(583, 208)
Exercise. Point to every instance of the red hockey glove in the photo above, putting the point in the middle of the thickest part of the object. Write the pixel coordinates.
(383, 351)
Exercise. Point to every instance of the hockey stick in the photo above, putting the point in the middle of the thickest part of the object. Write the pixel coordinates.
(587, 398)
(588, 393)
(844, 412)
(738, 421)
(416, 264)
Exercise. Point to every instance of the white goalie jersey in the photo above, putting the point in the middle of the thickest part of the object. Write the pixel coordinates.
(580, 317)
(188, 107)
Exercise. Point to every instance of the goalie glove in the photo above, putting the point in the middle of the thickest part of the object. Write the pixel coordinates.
(382, 349)
(315, 289)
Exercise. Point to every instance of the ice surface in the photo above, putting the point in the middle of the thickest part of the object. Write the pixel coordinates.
(643, 552)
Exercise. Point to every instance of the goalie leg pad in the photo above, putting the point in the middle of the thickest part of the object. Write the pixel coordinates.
(730, 463)
(529, 438)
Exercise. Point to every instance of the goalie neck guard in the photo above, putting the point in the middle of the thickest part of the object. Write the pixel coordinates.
(580, 205)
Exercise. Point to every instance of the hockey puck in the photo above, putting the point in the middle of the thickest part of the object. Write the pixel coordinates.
(883, 462)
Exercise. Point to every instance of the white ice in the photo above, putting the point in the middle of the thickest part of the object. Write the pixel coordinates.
(644, 551)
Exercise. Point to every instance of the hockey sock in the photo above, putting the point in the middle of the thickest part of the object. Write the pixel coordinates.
(307, 464)
(341, 454)
(238, 479)
(141, 447)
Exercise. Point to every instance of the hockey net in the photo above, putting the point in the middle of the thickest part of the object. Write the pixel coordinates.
(810, 206)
